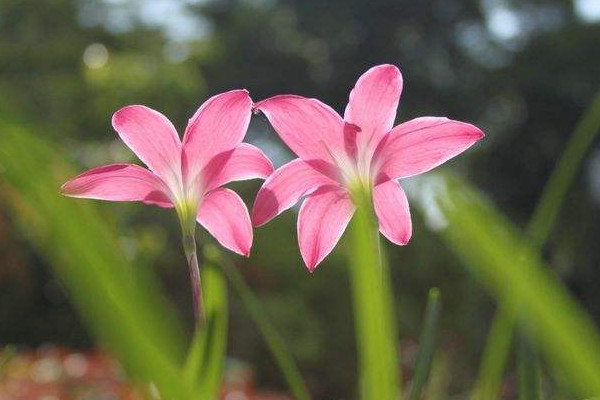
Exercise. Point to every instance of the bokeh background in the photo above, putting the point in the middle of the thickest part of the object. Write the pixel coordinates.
(522, 70)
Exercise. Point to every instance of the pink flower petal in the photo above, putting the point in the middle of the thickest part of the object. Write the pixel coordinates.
(224, 214)
(311, 129)
(118, 182)
(323, 218)
(284, 188)
(373, 103)
(241, 163)
(153, 138)
(421, 144)
(391, 207)
(219, 125)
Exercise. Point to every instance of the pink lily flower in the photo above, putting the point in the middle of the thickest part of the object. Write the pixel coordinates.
(187, 175)
(363, 149)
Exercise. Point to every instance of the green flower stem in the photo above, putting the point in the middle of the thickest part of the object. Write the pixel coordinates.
(187, 220)
(189, 246)
(373, 306)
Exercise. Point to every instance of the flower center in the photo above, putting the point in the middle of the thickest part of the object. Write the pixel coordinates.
(355, 170)
(186, 199)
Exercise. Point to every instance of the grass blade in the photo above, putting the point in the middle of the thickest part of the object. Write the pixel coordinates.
(538, 229)
(215, 297)
(205, 361)
(439, 380)
(491, 247)
(495, 355)
(427, 344)
(195, 358)
(274, 341)
(563, 174)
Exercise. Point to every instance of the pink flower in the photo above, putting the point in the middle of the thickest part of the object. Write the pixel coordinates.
(363, 149)
(188, 176)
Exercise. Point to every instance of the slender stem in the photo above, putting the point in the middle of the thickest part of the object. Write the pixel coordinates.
(189, 246)
(373, 306)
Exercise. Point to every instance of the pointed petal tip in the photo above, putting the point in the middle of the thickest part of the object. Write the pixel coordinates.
(390, 71)
(118, 115)
(258, 217)
(242, 92)
(312, 261)
(475, 133)
(403, 242)
(63, 188)
(399, 241)
(242, 252)
(473, 130)
(68, 188)
(311, 269)
(385, 67)
(256, 221)
(65, 191)
(259, 106)
(246, 249)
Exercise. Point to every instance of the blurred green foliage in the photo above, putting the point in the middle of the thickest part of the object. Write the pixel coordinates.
(509, 265)
(123, 307)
